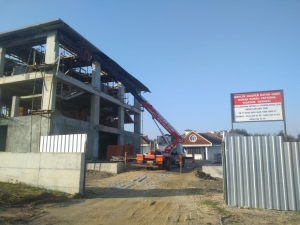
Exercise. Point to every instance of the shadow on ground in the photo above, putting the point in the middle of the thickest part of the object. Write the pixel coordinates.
(96, 192)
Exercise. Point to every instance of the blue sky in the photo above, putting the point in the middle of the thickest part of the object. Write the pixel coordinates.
(190, 54)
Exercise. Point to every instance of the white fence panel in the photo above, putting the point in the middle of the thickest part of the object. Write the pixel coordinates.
(262, 172)
(63, 143)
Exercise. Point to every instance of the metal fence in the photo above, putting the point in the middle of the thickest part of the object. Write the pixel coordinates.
(261, 172)
(63, 143)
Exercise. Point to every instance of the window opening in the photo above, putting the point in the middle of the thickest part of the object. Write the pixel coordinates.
(193, 138)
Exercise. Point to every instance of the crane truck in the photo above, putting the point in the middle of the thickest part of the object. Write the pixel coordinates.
(169, 151)
(172, 152)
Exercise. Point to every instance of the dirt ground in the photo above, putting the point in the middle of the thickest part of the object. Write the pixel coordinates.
(147, 197)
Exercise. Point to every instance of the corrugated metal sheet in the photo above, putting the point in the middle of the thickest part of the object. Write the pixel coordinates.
(63, 143)
(262, 172)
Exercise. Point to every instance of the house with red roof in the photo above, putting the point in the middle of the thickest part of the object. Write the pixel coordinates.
(204, 146)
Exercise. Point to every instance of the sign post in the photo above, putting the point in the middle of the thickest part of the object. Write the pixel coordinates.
(260, 106)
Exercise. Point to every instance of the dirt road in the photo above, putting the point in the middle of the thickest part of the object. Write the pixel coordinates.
(154, 197)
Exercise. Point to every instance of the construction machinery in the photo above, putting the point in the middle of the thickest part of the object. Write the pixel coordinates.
(169, 151)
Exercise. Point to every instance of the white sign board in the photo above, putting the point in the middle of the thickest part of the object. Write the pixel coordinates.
(257, 106)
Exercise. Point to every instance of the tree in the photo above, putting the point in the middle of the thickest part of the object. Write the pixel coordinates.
(280, 133)
(239, 131)
(261, 134)
(290, 138)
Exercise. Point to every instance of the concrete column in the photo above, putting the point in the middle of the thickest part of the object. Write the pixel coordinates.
(206, 153)
(14, 112)
(96, 69)
(0, 102)
(49, 93)
(93, 140)
(137, 124)
(121, 114)
(52, 48)
(95, 109)
(93, 144)
(2, 60)
(121, 94)
(137, 118)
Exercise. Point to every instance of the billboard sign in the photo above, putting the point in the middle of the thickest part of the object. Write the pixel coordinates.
(257, 106)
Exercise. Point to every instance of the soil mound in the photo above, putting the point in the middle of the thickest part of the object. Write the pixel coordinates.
(203, 175)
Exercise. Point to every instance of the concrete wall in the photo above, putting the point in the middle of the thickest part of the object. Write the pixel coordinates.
(134, 139)
(23, 133)
(56, 171)
(213, 170)
(22, 138)
(114, 167)
(61, 125)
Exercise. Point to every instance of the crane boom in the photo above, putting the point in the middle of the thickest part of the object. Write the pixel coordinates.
(154, 113)
(159, 118)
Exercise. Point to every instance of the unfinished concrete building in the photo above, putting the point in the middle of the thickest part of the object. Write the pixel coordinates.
(54, 82)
